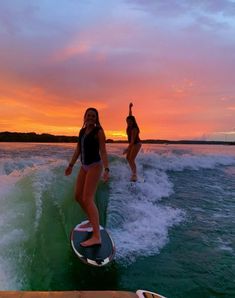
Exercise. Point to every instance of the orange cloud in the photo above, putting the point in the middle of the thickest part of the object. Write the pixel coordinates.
(74, 49)
(46, 85)
(32, 109)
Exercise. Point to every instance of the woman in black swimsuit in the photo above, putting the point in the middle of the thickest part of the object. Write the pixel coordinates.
(134, 142)
(92, 150)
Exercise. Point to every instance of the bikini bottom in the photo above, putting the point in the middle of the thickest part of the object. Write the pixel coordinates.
(87, 167)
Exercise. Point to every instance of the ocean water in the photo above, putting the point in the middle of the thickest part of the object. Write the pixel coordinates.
(174, 230)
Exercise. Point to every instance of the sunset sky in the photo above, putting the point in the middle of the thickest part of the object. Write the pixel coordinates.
(174, 59)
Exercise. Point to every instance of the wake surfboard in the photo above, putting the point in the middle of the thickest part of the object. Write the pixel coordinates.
(148, 294)
(97, 255)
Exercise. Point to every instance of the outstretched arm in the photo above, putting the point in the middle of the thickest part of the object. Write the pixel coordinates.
(74, 158)
(130, 108)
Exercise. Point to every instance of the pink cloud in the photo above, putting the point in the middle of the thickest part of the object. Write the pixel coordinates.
(177, 72)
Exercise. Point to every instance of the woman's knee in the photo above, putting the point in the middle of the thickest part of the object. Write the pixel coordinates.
(87, 196)
(78, 197)
(131, 160)
(88, 203)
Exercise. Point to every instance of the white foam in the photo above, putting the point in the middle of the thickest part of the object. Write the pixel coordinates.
(11, 277)
(41, 180)
(12, 238)
(17, 172)
(172, 162)
(14, 169)
(145, 231)
(225, 245)
(138, 224)
(8, 276)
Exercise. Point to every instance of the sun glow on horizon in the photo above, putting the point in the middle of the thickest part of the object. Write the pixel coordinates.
(116, 134)
(58, 61)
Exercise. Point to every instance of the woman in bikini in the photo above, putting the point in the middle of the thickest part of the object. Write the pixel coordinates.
(92, 150)
(134, 141)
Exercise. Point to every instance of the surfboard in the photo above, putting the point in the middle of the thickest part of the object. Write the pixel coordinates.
(97, 255)
(148, 294)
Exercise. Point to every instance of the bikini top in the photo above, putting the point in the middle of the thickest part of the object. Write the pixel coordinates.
(89, 144)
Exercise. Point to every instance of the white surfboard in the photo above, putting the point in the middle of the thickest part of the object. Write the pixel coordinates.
(96, 255)
(148, 294)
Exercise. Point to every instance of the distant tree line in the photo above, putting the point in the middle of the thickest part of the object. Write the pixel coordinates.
(38, 138)
(33, 137)
(48, 138)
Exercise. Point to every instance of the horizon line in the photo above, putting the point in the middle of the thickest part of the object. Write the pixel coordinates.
(123, 140)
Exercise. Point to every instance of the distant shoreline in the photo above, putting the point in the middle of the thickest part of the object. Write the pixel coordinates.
(33, 137)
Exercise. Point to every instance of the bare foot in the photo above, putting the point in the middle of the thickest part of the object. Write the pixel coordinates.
(90, 242)
(85, 225)
(134, 178)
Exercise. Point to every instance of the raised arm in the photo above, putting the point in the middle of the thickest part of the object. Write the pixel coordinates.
(74, 158)
(130, 108)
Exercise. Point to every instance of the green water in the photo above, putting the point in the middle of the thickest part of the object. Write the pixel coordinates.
(188, 266)
(51, 263)
(191, 256)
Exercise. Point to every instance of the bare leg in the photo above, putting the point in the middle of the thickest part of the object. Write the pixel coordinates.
(79, 193)
(131, 160)
(91, 182)
(79, 187)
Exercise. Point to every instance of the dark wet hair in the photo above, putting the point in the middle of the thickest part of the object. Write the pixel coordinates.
(134, 125)
(97, 117)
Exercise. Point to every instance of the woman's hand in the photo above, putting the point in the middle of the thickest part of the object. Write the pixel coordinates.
(68, 171)
(130, 108)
